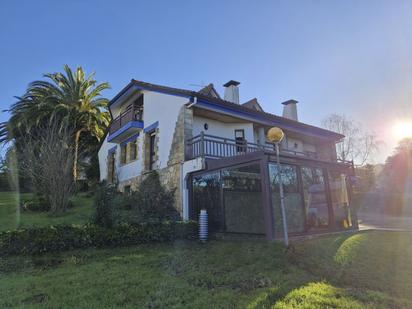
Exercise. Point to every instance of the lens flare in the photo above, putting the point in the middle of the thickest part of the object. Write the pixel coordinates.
(403, 129)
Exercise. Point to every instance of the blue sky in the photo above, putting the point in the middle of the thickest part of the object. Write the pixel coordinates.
(351, 57)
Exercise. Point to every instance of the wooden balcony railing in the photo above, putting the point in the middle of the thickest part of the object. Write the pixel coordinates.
(130, 114)
(216, 147)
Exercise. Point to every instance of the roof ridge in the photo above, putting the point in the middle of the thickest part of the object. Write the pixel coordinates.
(209, 90)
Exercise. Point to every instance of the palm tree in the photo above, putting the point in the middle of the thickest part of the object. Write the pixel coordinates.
(70, 96)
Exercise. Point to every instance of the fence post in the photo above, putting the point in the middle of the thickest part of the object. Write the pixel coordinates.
(202, 144)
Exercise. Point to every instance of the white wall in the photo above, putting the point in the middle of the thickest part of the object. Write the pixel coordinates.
(294, 144)
(157, 107)
(125, 171)
(222, 129)
(165, 109)
(102, 154)
(300, 145)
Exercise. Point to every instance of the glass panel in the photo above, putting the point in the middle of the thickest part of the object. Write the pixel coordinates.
(295, 218)
(242, 198)
(206, 195)
(340, 199)
(316, 204)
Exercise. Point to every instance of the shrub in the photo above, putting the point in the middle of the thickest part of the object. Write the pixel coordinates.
(122, 201)
(36, 204)
(67, 237)
(39, 204)
(153, 202)
(105, 212)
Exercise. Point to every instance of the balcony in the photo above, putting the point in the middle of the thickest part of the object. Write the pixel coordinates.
(215, 147)
(125, 125)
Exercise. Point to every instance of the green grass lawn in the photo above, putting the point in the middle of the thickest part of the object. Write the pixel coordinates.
(10, 218)
(363, 270)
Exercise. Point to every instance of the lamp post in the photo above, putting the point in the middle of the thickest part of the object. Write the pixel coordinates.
(275, 135)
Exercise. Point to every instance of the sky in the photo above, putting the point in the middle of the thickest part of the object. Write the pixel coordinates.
(346, 57)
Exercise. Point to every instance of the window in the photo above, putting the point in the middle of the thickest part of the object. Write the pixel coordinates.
(340, 199)
(152, 150)
(314, 192)
(123, 151)
(206, 195)
(240, 140)
(133, 150)
(232, 198)
(242, 200)
(295, 217)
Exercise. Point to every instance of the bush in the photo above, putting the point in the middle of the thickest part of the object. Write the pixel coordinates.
(122, 201)
(153, 202)
(105, 212)
(67, 237)
(39, 204)
(36, 205)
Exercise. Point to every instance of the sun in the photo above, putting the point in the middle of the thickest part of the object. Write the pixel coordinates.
(403, 129)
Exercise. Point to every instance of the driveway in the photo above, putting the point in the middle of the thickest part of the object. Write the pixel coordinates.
(384, 222)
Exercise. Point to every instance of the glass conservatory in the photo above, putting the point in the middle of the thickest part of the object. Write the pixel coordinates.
(242, 195)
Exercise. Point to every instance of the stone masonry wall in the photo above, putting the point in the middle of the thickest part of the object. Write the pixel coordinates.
(170, 175)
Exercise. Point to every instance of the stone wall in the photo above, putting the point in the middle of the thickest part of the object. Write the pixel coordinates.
(170, 175)
(146, 150)
(132, 182)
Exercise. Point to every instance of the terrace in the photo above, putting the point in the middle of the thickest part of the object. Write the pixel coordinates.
(215, 147)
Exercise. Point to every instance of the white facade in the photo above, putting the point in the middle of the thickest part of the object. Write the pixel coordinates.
(162, 112)
(159, 108)
(222, 129)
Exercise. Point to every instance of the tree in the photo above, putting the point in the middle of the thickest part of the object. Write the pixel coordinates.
(70, 97)
(4, 171)
(398, 168)
(47, 157)
(367, 178)
(152, 201)
(358, 145)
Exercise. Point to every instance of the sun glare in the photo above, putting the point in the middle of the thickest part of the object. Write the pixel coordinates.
(403, 129)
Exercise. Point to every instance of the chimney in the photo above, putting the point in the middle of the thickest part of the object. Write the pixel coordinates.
(290, 110)
(232, 91)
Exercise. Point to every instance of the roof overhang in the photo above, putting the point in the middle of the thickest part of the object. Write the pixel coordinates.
(262, 120)
(228, 108)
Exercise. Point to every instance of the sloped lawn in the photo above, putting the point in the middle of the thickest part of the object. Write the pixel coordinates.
(10, 218)
(378, 260)
(364, 270)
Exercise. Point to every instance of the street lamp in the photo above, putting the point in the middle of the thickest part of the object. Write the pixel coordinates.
(275, 135)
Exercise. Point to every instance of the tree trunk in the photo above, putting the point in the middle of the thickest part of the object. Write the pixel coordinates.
(76, 154)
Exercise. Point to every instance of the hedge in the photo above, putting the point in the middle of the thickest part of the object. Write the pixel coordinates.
(67, 237)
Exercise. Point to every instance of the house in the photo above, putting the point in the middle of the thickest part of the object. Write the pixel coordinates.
(213, 151)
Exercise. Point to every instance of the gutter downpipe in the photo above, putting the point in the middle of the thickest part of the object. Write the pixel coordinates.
(183, 178)
(193, 103)
(185, 214)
